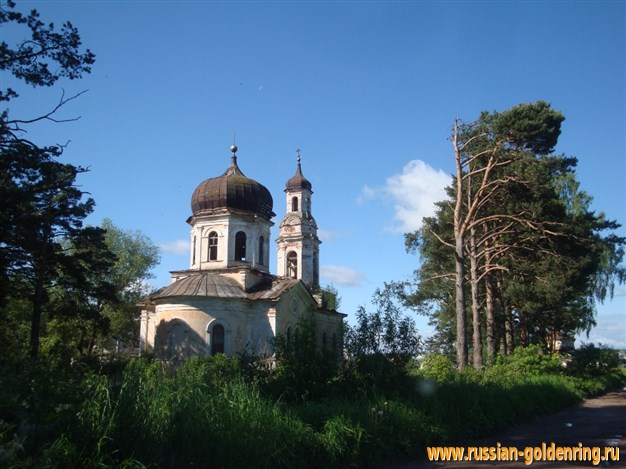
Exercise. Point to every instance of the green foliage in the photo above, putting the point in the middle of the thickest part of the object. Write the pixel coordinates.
(545, 255)
(527, 361)
(302, 369)
(330, 298)
(595, 361)
(533, 127)
(380, 346)
(41, 207)
(438, 368)
(135, 256)
(153, 414)
(45, 56)
(386, 331)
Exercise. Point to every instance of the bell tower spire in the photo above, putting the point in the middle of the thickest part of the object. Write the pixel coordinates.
(298, 244)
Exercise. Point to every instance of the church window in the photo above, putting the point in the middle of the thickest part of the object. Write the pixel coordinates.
(212, 246)
(217, 339)
(178, 341)
(261, 243)
(240, 246)
(193, 254)
(289, 336)
(324, 340)
(292, 265)
(294, 204)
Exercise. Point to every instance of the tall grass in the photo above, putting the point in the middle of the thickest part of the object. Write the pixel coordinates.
(208, 413)
(186, 419)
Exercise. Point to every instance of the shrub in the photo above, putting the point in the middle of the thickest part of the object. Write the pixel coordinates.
(594, 361)
(524, 362)
(438, 368)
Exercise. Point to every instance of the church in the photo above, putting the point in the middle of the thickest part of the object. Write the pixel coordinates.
(227, 301)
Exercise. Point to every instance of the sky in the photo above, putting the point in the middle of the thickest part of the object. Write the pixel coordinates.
(368, 92)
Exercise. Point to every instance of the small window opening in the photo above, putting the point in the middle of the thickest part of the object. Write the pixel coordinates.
(193, 253)
(261, 243)
(212, 246)
(240, 246)
(217, 339)
(292, 265)
(294, 204)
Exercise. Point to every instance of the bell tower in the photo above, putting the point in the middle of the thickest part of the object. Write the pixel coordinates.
(298, 244)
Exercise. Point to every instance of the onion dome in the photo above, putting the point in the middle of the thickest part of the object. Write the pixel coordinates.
(298, 181)
(232, 190)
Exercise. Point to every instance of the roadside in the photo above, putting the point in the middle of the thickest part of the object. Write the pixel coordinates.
(600, 422)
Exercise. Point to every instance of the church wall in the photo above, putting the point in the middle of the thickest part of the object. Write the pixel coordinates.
(226, 225)
(293, 307)
(248, 326)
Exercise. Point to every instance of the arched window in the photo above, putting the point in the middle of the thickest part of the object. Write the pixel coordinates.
(324, 340)
(292, 265)
(178, 341)
(212, 256)
(261, 243)
(193, 253)
(294, 204)
(240, 246)
(217, 339)
(289, 336)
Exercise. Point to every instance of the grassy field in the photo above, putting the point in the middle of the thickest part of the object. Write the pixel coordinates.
(220, 412)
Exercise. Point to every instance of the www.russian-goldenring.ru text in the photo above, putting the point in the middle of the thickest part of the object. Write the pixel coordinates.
(529, 454)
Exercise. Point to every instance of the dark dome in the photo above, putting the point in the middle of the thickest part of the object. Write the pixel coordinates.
(298, 181)
(232, 190)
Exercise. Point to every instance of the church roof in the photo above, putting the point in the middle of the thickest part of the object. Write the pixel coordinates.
(298, 181)
(232, 190)
(216, 285)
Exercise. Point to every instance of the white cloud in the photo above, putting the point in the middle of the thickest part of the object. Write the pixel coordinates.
(329, 236)
(611, 331)
(343, 276)
(413, 194)
(326, 235)
(367, 193)
(180, 247)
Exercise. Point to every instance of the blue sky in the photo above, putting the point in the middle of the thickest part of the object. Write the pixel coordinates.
(366, 90)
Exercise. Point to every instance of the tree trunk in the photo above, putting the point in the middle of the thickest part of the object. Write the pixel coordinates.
(477, 340)
(489, 307)
(491, 320)
(459, 256)
(508, 331)
(461, 322)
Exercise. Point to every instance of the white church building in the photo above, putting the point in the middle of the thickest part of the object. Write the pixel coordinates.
(228, 301)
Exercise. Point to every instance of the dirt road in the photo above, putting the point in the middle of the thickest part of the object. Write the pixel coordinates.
(598, 422)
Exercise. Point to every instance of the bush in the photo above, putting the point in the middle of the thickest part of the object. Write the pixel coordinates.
(438, 368)
(594, 361)
(524, 362)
